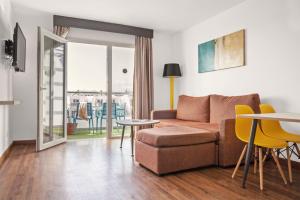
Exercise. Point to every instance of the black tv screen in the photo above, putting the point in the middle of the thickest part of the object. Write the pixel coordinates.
(19, 56)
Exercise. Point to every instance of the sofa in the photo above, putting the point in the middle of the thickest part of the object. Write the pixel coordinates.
(201, 132)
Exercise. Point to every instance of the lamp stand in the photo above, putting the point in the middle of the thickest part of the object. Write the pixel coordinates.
(171, 93)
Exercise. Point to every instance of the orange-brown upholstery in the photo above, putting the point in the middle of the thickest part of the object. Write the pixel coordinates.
(163, 114)
(175, 136)
(229, 145)
(178, 122)
(171, 159)
(222, 107)
(171, 146)
(193, 108)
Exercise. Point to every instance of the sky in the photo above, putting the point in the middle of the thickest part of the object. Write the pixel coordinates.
(87, 67)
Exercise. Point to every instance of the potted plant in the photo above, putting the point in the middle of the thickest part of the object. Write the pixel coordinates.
(70, 125)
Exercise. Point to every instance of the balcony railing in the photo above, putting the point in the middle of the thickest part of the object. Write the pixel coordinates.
(122, 100)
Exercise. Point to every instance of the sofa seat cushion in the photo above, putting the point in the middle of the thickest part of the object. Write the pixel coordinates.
(193, 108)
(178, 122)
(175, 136)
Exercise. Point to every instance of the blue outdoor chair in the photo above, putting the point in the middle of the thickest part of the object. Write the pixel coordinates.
(90, 115)
(102, 114)
(121, 112)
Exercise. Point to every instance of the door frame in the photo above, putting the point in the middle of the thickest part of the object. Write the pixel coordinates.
(109, 46)
(39, 144)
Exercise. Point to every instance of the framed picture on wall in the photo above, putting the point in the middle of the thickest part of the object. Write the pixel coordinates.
(225, 52)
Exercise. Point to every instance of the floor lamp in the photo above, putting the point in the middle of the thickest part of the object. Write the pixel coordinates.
(171, 71)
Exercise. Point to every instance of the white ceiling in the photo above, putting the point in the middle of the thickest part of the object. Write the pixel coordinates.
(166, 15)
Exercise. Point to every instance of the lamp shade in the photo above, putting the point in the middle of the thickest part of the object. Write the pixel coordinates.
(172, 70)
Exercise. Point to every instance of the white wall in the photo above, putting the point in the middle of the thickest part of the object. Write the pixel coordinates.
(25, 84)
(272, 54)
(162, 54)
(6, 76)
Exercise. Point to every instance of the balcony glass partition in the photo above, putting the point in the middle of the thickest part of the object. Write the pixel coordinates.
(122, 86)
(99, 76)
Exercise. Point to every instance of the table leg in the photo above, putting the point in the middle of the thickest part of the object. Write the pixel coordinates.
(249, 151)
(122, 137)
(132, 137)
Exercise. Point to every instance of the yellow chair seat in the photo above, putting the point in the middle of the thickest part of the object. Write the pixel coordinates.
(243, 127)
(283, 135)
(273, 129)
(268, 142)
(265, 141)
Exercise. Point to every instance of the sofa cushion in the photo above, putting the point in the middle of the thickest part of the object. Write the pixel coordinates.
(192, 124)
(193, 108)
(175, 136)
(223, 107)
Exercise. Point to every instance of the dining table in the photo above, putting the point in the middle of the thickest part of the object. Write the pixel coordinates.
(286, 117)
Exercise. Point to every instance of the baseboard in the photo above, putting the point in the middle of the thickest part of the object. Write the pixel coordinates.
(5, 154)
(20, 142)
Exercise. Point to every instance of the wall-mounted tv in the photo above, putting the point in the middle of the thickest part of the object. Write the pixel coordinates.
(19, 53)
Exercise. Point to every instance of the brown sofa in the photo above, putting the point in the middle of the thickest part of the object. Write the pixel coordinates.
(199, 133)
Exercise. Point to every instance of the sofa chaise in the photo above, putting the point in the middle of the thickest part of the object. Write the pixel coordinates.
(201, 132)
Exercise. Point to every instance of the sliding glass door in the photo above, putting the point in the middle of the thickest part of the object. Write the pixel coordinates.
(99, 91)
(100, 75)
(122, 86)
(87, 90)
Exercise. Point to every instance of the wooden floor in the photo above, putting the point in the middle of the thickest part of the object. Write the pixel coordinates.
(98, 169)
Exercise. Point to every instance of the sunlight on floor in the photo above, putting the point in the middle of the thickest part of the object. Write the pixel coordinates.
(86, 134)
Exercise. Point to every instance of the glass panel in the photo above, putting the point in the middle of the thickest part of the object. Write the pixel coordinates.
(58, 90)
(47, 136)
(53, 90)
(87, 91)
(122, 86)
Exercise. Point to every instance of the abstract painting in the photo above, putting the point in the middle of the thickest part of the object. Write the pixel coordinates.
(221, 53)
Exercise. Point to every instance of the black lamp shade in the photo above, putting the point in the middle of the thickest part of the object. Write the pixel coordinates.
(172, 70)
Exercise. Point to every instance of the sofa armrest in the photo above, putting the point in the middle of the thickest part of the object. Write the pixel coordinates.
(163, 114)
(230, 147)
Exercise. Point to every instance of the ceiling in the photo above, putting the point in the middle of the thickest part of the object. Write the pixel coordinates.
(164, 15)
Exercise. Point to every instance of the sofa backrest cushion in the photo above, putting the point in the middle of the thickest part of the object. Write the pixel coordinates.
(223, 107)
(193, 108)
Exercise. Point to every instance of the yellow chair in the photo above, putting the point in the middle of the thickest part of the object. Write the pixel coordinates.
(273, 129)
(242, 130)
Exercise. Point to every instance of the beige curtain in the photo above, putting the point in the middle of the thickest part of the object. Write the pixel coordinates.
(143, 78)
(61, 31)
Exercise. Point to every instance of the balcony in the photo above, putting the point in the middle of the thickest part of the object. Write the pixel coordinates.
(87, 113)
